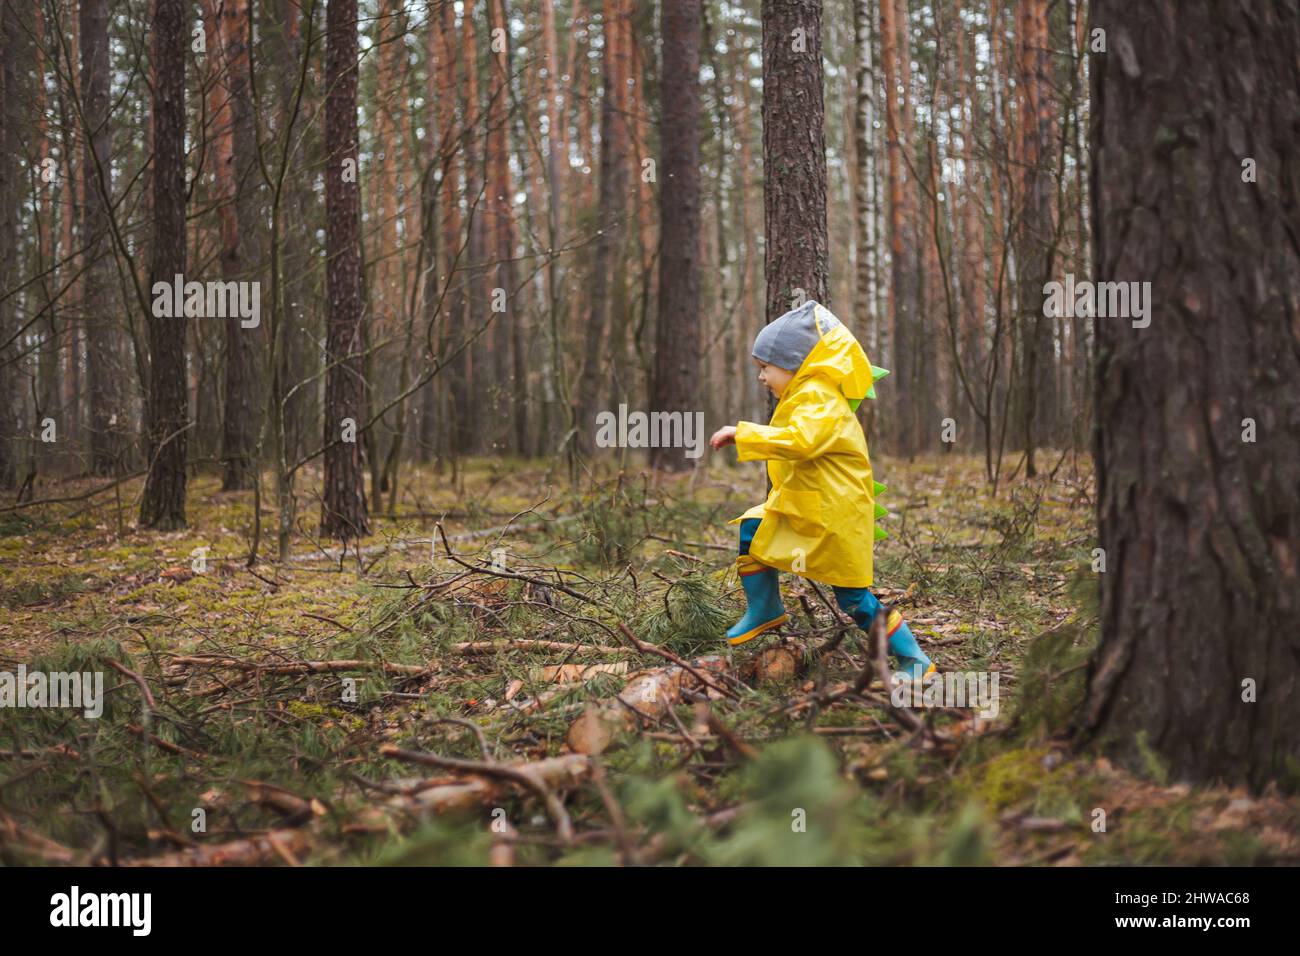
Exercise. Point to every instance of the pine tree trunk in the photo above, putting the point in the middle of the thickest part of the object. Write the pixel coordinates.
(900, 402)
(796, 263)
(457, 428)
(239, 227)
(1198, 440)
(105, 371)
(972, 264)
(508, 398)
(1035, 233)
(300, 330)
(613, 190)
(677, 335)
(167, 403)
(477, 356)
(864, 120)
(343, 509)
(9, 181)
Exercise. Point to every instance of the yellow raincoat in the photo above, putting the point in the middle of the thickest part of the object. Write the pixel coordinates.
(819, 520)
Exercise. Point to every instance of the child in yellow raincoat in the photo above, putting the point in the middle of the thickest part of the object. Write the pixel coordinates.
(819, 519)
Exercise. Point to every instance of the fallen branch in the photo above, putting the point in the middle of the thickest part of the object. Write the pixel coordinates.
(166, 745)
(300, 667)
(291, 843)
(139, 681)
(493, 771)
(523, 644)
(510, 575)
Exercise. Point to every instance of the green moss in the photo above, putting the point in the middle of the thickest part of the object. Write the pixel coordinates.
(1007, 779)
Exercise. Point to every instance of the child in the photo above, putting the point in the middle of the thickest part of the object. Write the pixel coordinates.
(819, 520)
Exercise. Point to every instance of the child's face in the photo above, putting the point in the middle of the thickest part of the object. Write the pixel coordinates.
(773, 377)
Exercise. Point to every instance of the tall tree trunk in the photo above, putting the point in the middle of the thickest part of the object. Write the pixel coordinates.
(9, 181)
(67, 274)
(973, 248)
(238, 228)
(47, 392)
(618, 312)
(457, 429)
(508, 397)
(343, 508)
(677, 334)
(299, 332)
(902, 261)
(1035, 234)
(167, 403)
(796, 263)
(610, 216)
(1198, 439)
(476, 354)
(752, 305)
(383, 268)
(554, 378)
(908, 389)
(432, 420)
(105, 370)
(865, 198)
(864, 122)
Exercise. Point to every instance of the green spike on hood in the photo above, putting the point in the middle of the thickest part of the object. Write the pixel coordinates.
(877, 373)
(881, 533)
(877, 487)
(881, 511)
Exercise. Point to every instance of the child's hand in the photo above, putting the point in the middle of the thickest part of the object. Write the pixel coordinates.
(723, 436)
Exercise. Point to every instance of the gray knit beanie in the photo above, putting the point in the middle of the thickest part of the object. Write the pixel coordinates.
(787, 341)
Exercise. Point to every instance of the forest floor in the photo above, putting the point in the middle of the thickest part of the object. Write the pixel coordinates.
(554, 689)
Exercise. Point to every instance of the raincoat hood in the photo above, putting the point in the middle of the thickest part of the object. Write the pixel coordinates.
(811, 341)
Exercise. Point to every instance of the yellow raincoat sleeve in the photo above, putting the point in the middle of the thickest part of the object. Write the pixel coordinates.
(813, 425)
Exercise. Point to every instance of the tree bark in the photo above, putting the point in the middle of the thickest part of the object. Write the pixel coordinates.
(167, 403)
(343, 508)
(105, 372)
(9, 183)
(300, 333)
(1033, 257)
(508, 397)
(239, 227)
(1200, 526)
(902, 250)
(796, 259)
(677, 334)
(456, 429)
(477, 302)
(610, 219)
(864, 120)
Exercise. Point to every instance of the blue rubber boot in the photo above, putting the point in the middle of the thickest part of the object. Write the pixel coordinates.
(762, 587)
(763, 592)
(863, 605)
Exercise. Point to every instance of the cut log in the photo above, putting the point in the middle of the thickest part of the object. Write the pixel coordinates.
(650, 694)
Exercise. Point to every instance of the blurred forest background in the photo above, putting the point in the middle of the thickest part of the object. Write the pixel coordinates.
(510, 160)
